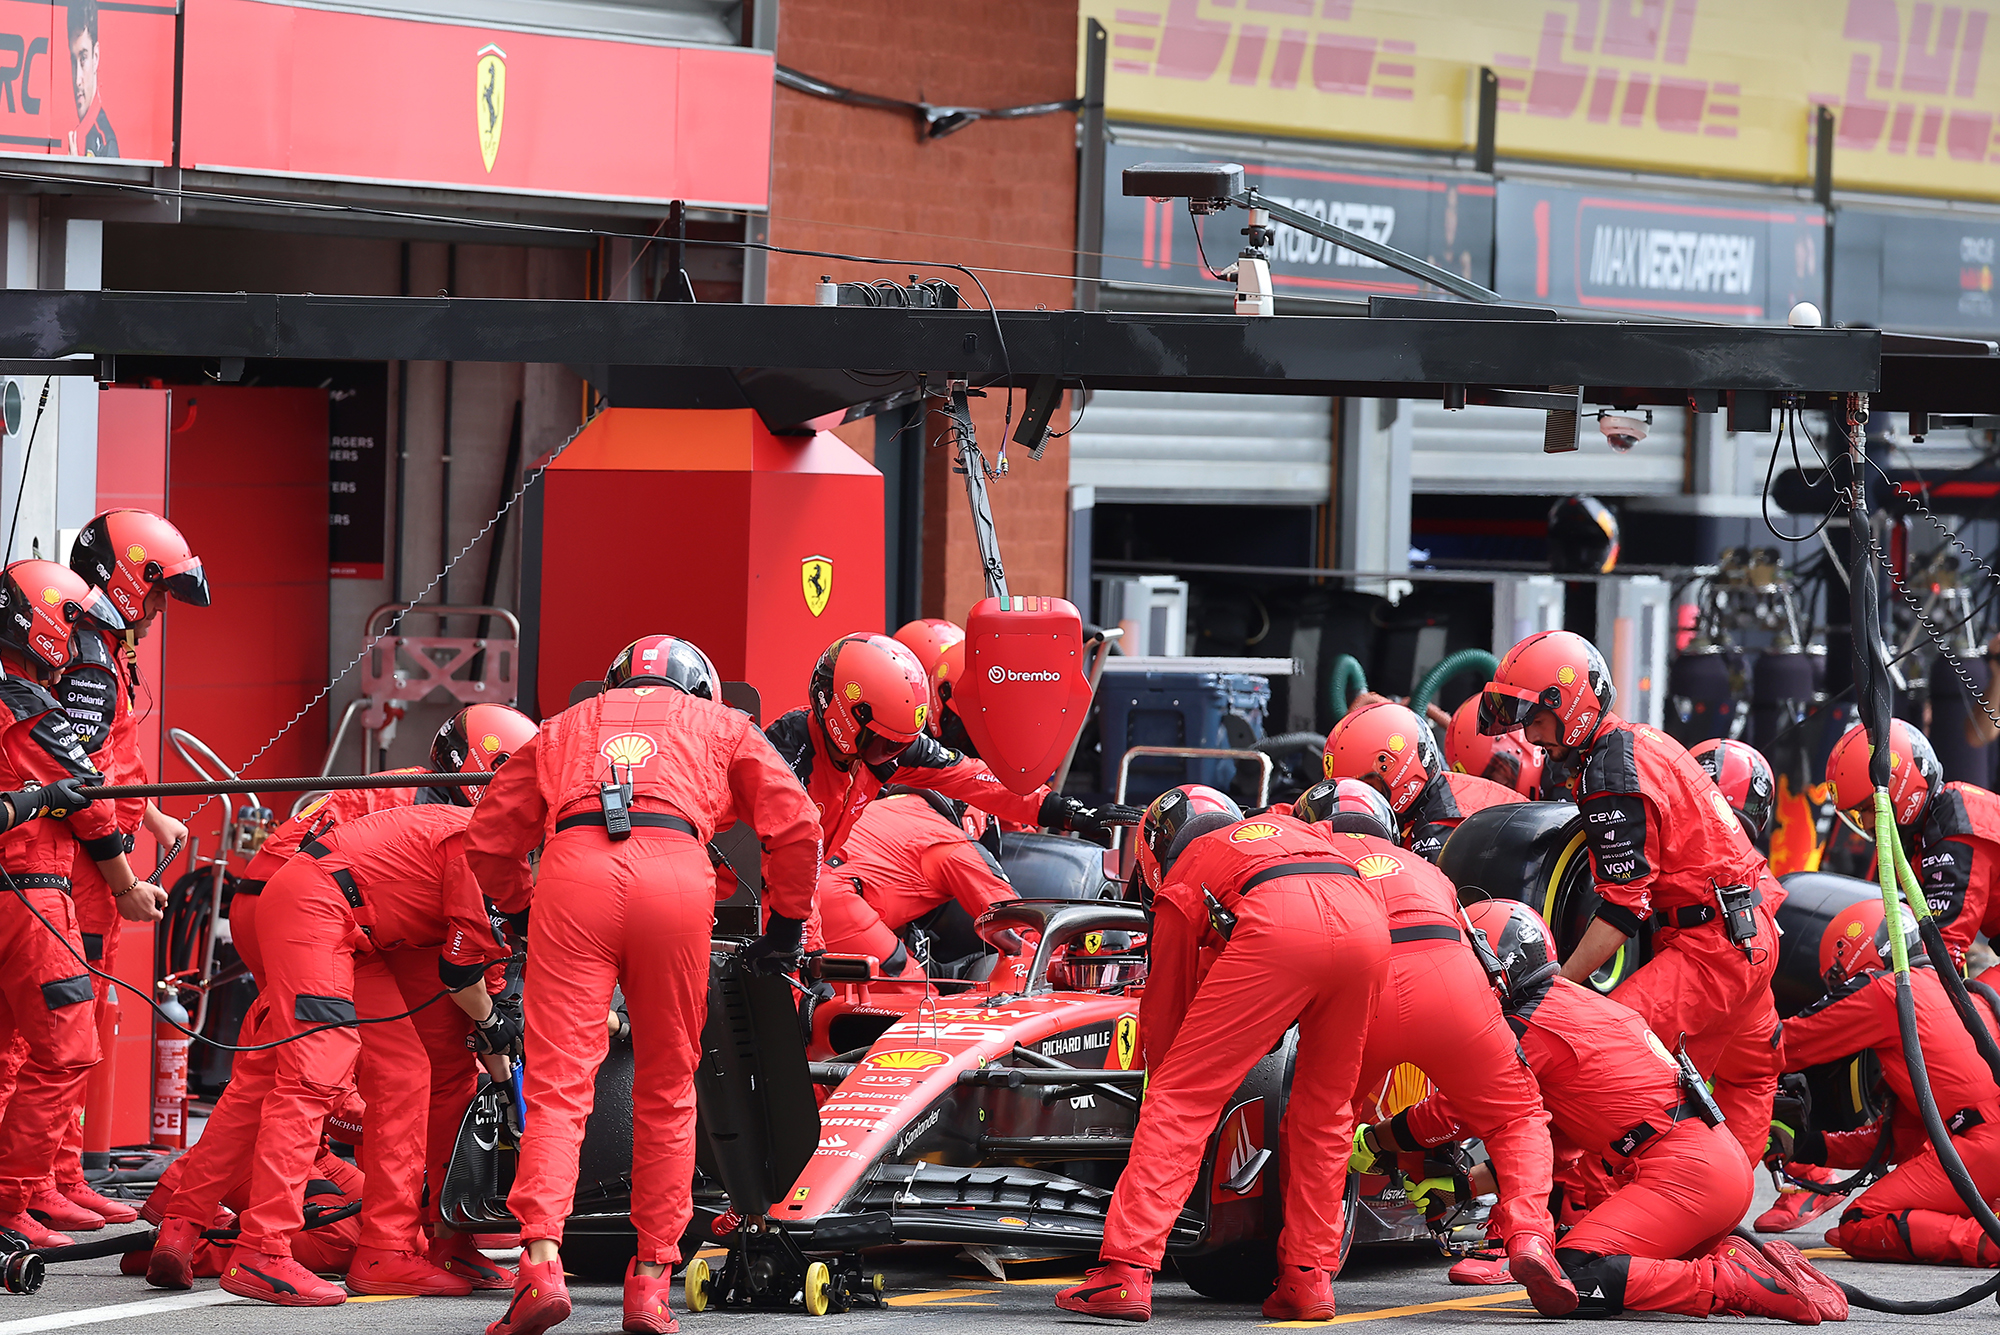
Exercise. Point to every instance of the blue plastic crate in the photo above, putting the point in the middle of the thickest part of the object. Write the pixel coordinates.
(1175, 709)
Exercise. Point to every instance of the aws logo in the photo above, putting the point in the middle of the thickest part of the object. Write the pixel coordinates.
(1246, 833)
(912, 1059)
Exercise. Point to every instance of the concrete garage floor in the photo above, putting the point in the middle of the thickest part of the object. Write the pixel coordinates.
(1400, 1290)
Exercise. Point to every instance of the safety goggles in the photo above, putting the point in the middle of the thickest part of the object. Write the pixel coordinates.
(879, 748)
(183, 580)
(1504, 709)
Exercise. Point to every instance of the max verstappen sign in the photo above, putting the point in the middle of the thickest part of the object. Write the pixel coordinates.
(285, 90)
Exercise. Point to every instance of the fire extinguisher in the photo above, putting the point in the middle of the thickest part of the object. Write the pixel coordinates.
(170, 1071)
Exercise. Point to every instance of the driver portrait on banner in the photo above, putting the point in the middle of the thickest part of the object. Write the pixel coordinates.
(93, 136)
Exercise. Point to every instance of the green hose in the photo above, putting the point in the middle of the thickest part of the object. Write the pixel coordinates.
(1345, 682)
(1453, 664)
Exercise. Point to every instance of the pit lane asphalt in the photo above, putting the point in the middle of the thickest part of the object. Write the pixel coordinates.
(1398, 1291)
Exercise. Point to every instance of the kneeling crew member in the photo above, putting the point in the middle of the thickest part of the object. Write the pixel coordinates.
(1301, 939)
(623, 792)
(1661, 1242)
(1391, 749)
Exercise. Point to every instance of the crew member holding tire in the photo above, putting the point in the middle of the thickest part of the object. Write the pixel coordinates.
(1299, 939)
(1661, 1241)
(1390, 748)
(1437, 1013)
(903, 858)
(1664, 845)
(1913, 1214)
(623, 792)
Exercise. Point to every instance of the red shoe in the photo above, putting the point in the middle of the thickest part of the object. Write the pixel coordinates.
(58, 1211)
(172, 1264)
(1832, 1237)
(377, 1271)
(1531, 1260)
(277, 1279)
(541, 1300)
(1481, 1267)
(1303, 1294)
(134, 1263)
(1748, 1285)
(1795, 1209)
(31, 1228)
(82, 1193)
(1817, 1289)
(456, 1254)
(646, 1301)
(1116, 1290)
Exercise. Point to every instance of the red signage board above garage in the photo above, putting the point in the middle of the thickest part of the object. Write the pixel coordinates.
(87, 81)
(281, 90)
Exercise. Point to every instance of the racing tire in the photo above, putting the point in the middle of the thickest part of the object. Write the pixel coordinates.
(601, 1257)
(1243, 1272)
(819, 1289)
(694, 1284)
(1535, 852)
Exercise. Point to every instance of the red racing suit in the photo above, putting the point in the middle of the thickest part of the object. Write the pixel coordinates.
(1445, 801)
(1310, 944)
(637, 913)
(903, 859)
(392, 882)
(1661, 838)
(1913, 1214)
(1958, 850)
(1438, 1013)
(47, 1002)
(1613, 1093)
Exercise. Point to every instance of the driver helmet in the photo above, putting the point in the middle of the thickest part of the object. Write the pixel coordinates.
(940, 648)
(1856, 943)
(1556, 670)
(1387, 746)
(476, 740)
(1097, 962)
(1510, 760)
(1744, 776)
(127, 553)
(1915, 776)
(1348, 806)
(871, 696)
(41, 605)
(1522, 943)
(1166, 820)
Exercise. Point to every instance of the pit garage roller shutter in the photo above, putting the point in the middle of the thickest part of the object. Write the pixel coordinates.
(1498, 451)
(1256, 449)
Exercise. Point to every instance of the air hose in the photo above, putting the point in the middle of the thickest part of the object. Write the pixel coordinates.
(1346, 681)
(1464, 660)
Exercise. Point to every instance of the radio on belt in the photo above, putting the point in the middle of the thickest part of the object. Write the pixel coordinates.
(1739, 911)
(1024, 694)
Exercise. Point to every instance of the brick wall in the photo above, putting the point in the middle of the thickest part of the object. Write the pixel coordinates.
(997, 193)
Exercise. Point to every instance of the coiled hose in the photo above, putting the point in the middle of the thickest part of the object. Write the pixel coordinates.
(1346, 681)
(1465, 660)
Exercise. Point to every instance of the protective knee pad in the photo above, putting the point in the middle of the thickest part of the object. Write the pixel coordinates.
(1599, 1280)
(1877, 1237)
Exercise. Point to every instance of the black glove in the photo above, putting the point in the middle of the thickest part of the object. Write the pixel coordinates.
(1066, 813)
(59, 798)
(501, 1031)
(777, 951)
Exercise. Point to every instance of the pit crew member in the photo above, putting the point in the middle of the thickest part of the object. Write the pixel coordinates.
(1389, 747)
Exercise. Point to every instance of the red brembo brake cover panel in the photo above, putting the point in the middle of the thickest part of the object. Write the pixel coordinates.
(1024, 694)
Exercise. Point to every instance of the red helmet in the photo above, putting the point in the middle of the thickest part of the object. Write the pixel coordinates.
(1388, 746)
(665, 660)
(40, 606)
(871, 696)
(1857, 942)
(128, 552)
(1744, 776)
(1166, 819)
(940, 647)
(1914, 773)
(1510, 759)
(1348, 806)
(476, 739)
(1522, 943)
(1556, 670)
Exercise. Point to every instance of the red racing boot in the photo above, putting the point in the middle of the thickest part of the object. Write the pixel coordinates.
(1303, 1294)
(172, 1263)
(277, 1279)
(1485, 1264)
(1532, 1263)
(1748, 1285)
(377, 1271)
(80, 1192)
(1795, 1208)
(541, 1300)
(31, 1228)
(646, 1301)
(1116, 1290)
(457, 1254)
(1822, 1292)
(58, 1211)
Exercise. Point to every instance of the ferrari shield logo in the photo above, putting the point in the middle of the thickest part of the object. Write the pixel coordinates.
(491, 100)
(816, 578)
(1125, 1042)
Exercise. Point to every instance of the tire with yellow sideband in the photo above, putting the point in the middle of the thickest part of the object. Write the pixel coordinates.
(1534, 852)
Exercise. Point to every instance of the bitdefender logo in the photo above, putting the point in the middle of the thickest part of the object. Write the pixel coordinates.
(999, 675)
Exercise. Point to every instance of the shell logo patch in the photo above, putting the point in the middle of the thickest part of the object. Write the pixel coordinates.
(135, 553)
(51, 596)
(1660, 1049)
(629, 748)
(489, 743)
(1722, 809)
(1894, 759)
(1853, 930)
(1259, 830)
(1377, 865)
(1125, 1042)
(1397, 742)
(1566, 675)
(1012, 1222)
(852, 690)
(912, 1059)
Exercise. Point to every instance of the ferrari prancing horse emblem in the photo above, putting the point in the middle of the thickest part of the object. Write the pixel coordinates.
(816, 578)
(492, 100)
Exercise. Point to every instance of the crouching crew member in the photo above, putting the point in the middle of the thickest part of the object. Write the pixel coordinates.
(904, 857)
(1660, 1241)
(623, 792)
(1391, 749)
(1301, 939)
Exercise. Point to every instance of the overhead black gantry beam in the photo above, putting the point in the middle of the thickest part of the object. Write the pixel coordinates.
(798, 363)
